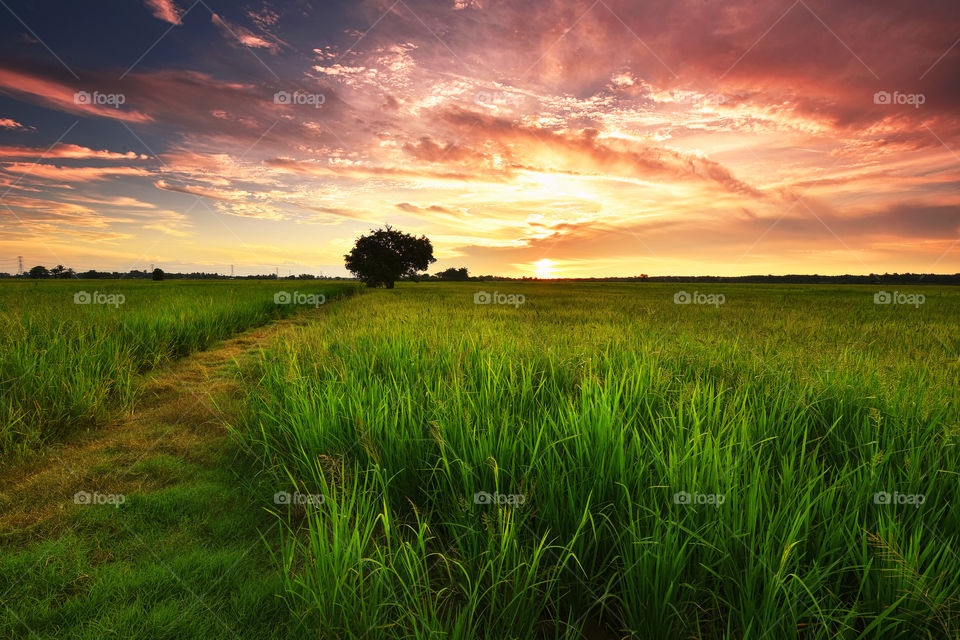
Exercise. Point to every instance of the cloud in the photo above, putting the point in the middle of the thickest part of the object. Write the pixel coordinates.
(64, 175)
(246, 37)
(123, 202)
(428, 150)
(434, 212)
(60, 96)
(263, 211)
(354, 170)
(67, 151)
(542, 149)
(8, 123)
(166, 10)
(902, 220)
(214, 194)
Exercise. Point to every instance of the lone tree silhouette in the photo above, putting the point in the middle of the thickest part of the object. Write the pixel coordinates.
(386, 255)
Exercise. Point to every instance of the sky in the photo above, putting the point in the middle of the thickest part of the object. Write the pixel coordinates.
(548, 138)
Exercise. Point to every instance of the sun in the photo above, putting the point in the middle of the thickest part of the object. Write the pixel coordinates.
(544, 268)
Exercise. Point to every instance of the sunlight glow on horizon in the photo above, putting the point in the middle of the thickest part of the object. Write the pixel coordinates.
(544, 269)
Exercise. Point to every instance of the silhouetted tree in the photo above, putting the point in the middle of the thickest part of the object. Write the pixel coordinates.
(454, 275)
(157, 274)
(386, 255)
(39, 271)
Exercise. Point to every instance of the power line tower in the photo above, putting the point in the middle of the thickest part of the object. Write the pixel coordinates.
(19, 265)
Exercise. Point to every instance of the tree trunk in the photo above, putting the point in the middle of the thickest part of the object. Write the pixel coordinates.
(389, 284)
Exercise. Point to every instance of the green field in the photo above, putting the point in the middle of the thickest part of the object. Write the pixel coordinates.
(69, 350)
(584, 461)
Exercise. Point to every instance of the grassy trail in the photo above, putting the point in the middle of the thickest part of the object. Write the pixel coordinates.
(182, 556)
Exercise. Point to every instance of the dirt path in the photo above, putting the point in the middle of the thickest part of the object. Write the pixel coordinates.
(183, 555)
(181, 412)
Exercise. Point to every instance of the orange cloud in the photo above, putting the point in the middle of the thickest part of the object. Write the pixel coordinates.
(67, 151)
(70, 174)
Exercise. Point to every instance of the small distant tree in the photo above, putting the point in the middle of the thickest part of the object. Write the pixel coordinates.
(454, 275)
(158, 274)
(39, 271)
(388, 254)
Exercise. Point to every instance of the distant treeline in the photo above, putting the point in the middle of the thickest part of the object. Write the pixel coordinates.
(39, 273)
(462, 275)
(873, 278)
(454, 275)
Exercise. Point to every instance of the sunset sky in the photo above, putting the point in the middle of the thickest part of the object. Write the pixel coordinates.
(566, 138)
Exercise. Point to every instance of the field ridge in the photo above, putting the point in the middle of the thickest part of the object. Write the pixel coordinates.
(173, 442)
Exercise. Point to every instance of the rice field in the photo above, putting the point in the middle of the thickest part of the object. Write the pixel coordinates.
(561, 460)
(70, 349)
(506, 460)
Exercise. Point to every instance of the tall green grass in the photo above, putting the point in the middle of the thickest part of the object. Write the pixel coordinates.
(63, 364)
(602, 407)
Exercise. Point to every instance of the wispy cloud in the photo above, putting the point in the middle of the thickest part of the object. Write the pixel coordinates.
(166, 10)
(9, 123)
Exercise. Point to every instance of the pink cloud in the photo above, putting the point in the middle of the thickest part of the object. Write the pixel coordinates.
(8, 123)
(166, 10)
(66, 98)
(246, 37)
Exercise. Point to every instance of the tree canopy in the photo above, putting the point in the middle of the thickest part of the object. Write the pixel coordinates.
(387, 255)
